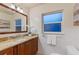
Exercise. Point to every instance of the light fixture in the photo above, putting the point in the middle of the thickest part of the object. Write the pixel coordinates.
(13, 6)
(18, 8)
(21, 11)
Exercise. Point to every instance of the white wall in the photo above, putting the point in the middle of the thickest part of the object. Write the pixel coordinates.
(71, 33)
(5, 16)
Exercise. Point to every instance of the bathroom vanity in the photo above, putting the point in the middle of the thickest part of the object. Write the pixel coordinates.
(13, 21)
(28, 45)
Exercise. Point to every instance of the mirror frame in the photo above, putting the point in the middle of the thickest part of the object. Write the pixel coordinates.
(1, 4)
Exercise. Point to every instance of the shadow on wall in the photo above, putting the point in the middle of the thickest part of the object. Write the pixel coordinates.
(40, 47)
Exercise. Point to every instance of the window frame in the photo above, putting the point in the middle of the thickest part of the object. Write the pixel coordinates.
(57, 11)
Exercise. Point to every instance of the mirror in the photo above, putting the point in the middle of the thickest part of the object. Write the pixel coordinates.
(12, 21)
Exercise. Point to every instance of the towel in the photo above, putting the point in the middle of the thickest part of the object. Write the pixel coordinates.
(51, 39)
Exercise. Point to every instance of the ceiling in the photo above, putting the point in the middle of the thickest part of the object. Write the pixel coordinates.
(27, 5)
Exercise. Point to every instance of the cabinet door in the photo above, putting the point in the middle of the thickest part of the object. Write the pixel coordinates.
(27, 49)
(34, 45)
(8, 51)
(21, 49)
(24, 48)
(15, 50)
(31, 46)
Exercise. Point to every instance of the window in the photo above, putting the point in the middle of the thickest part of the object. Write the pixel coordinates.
(18, 25)
(52, 22)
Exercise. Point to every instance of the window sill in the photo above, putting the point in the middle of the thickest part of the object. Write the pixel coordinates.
(54, 33)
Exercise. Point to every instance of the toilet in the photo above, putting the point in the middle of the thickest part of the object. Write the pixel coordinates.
(72, 50)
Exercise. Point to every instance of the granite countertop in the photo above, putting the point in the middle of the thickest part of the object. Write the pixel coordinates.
(13, 42)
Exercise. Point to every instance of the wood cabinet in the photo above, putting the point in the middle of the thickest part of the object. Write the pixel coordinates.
(15, 50)
(8, 51)
(34, 46)
(21, 49)
(29, 47)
